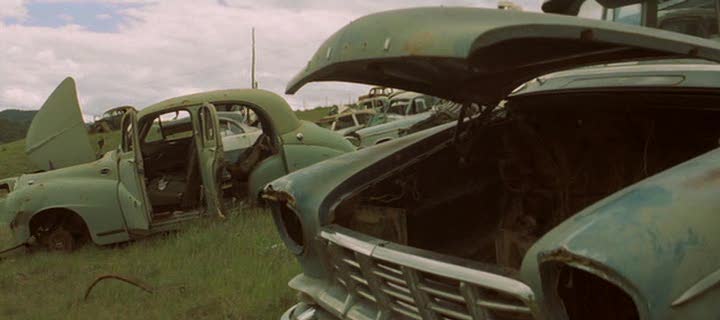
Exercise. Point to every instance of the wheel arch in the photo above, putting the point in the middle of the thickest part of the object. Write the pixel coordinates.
(54, 216)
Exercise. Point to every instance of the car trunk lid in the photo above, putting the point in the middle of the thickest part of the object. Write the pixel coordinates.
(481, 55)
(57, 137)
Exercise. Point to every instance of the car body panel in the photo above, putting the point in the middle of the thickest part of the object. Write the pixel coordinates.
(57, 137)
(36, 193)
(131, 190)
(210, 150)
(660, 74)
(297, 153)
(658, 227)
(468, 48)
(388, 131)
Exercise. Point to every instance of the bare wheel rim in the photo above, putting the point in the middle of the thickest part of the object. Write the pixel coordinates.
(60, 240)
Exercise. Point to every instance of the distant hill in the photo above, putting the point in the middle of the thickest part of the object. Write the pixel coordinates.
(14, 124)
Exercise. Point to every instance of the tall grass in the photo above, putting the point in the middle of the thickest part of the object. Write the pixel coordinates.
(232, 269)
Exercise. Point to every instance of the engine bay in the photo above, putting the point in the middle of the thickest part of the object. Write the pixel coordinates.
(537, 161)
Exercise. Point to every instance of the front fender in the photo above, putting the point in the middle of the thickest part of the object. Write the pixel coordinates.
(94, 200)
(268, 170)
(655, 239)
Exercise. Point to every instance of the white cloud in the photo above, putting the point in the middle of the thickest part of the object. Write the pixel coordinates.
(168, 48)
(12, 9)
(103, 16)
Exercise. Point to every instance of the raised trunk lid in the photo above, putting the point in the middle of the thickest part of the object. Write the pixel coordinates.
(481, 55)
(57, 137)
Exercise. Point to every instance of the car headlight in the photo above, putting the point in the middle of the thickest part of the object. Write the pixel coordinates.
(286, 219)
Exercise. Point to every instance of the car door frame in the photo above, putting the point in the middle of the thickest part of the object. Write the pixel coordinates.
(210, 156)
(132, 194)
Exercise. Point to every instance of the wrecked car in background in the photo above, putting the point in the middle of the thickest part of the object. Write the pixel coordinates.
(376, 99)
(110, 120)
(349, 120)
(168, 168)
(588, 193)
(402, 111)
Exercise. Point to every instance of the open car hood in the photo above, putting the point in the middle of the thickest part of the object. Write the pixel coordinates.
(57, 137)
(481, 55)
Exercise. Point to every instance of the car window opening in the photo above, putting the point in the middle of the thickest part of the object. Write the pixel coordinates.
(170, 157)
(241, 162)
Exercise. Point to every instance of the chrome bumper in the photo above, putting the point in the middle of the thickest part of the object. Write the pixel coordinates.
(376, 279)
(302, 311)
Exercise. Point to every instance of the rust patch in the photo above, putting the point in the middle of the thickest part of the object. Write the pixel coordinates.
(587, 35)
(709, 177)
(419, 42)
(278, 196)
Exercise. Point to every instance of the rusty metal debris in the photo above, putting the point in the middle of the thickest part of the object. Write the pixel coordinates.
(133, 281)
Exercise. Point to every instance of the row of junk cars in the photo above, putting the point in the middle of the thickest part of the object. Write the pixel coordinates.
(579, 178)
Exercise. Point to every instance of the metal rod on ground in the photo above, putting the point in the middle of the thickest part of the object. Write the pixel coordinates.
(12, 248)
(136, 282)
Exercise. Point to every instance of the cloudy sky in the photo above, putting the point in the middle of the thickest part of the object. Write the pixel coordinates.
(139, 52)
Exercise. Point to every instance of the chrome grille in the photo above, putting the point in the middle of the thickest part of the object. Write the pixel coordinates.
(407, 283)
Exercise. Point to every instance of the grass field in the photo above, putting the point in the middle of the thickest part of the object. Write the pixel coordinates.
(236, 268)
(232, 269)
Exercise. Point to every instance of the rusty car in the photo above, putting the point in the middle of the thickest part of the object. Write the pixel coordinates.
(584, 188)
(403, 110)
(168, 168)
(347, 121)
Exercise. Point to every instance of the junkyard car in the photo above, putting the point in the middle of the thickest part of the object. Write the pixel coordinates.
(376, 99)
(403, 110)
(110, 120)
(588, 193)
(154, 179)
(350, 120)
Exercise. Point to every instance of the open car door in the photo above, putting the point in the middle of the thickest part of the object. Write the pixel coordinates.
(210, 151)
(132, 195)
(57, 137)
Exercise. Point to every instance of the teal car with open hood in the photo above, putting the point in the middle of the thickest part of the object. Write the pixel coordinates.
(584, 188)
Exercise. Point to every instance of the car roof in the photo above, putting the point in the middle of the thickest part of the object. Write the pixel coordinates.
(277, 109)
(655, 75)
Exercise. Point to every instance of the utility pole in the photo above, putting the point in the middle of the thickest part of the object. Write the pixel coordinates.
(253, 84)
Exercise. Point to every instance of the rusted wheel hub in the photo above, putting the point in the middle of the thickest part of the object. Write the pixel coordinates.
(60, 240)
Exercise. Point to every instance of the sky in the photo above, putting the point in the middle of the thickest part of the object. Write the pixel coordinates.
(138, 52)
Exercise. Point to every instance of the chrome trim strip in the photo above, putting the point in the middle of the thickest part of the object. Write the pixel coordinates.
(698, 288)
